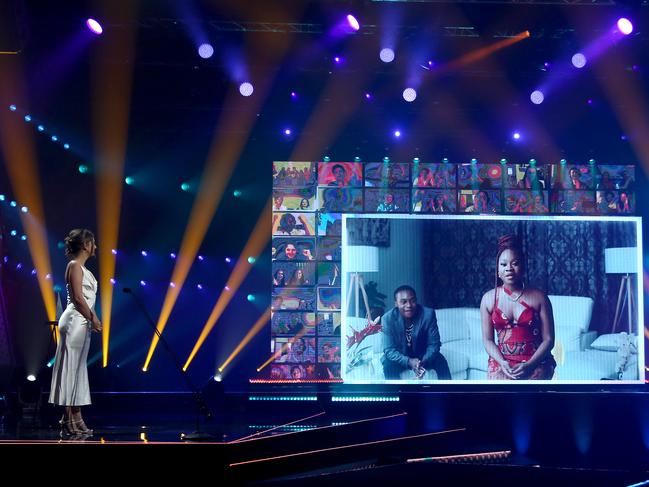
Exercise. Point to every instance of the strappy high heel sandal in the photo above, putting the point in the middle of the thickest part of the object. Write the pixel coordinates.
(69, 428)
(82, 428)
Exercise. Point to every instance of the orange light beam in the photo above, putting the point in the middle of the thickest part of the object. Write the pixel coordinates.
(223, 157)
(276, 354)
(482, 53)
(112, 91)
(21, 161)
(256, 243)
(259, 324)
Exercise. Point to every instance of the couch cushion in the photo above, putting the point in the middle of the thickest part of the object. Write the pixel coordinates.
(608, 343)
(571, 318)
(572, 311)
(455, 323)
(473, 350)
(587, 365)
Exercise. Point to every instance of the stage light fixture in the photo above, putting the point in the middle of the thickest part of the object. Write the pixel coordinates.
(218, 377)
(368, 96)
(12, 108)
(397, 133)
(24, 209)
(199, 287)
(66, 146)
(228, 260)
(144, 253)
(40, 128)
(287, 131)
(537, 97)
(625, 26)
(172, 255)
(237, 193)
(113, 251)
(171, 284)
(185, 186)
(31, 378)
(516, 136)
(410, 94)
(129, 180)
(28, 118)
(293, 95)
(201, 258)
(23, 237)
(113, 281)
(54, 138)
(250, 297)
(386, 55)
(143, 283)
(503, 161)
(94, 26)
(579, 60)
(353, 23)
(205, 50)
(338, 59)
(251, 260)
(246, 88)
(13, 204)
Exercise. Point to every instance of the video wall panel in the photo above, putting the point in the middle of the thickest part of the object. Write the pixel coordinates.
(310, 336)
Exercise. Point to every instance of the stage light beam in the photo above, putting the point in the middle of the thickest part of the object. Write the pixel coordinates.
(386, 55)
(625, 26)
(94, 26)
(256, 328)
(205, 50)
(256, 242)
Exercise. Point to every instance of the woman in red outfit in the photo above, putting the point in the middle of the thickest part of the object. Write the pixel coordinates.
(521, 318)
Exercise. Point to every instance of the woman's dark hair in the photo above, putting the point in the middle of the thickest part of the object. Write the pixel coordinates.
(287, 223)
(508, 242)
(280, 282)
(76, 240)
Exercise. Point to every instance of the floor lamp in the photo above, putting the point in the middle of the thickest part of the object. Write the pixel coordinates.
(360, 258)
(622, 260)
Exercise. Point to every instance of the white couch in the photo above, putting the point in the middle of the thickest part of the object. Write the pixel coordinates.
(461, 335)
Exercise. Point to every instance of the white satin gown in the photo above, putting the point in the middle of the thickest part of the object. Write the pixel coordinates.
(70, 372)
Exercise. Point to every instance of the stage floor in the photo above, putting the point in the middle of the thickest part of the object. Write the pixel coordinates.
(253, 439)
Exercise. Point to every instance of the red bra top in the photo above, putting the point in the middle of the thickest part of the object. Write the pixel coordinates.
(500, 320)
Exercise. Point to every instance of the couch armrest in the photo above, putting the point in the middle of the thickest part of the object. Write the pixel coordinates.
(586, 339)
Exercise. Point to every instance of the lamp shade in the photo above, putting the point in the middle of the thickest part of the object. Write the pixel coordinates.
(362, 258)
(621, 260)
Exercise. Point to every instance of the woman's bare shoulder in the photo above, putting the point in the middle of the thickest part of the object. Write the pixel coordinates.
(488, 298)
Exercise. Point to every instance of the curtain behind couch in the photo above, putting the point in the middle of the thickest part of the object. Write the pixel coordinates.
(564, 258)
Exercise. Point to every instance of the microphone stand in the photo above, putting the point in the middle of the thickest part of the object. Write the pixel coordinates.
(201, 406)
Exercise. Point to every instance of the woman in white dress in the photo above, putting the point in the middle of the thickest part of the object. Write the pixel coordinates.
(70, 373)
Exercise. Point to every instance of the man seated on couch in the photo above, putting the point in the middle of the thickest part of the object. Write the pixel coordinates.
(412, 339)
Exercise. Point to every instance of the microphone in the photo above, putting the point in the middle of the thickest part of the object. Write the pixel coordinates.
(127, 290)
